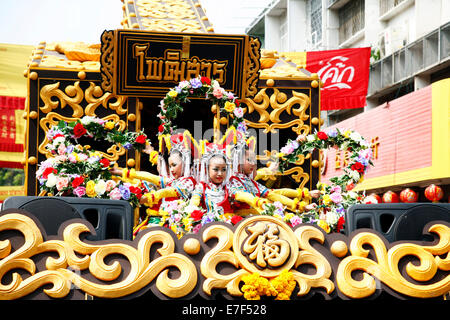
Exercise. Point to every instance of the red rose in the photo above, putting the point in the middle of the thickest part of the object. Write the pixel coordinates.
(236, 219)
(358, 166)
(136, 191)
(340, 224)
(47, 171)
(160, 128)
(77, 181)
(141, 139)
(78, 130)
(237, 103)
(196, 215)
(105, 162)
(205, 80)
(322, 135)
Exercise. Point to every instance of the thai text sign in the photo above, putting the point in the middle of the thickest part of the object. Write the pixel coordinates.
(148, 64)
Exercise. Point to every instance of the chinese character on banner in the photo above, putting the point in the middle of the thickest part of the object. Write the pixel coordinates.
(345, 75)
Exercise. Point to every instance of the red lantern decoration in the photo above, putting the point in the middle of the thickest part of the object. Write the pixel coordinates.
(376, 197)
(408, 195)
(434, 193)
(390, 197)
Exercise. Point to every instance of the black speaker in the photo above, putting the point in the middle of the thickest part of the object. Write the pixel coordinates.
(112, 219)
(396, 221)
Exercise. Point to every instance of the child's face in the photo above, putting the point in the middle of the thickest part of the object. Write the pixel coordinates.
(249, 166)
(175, 165)
(217, 170)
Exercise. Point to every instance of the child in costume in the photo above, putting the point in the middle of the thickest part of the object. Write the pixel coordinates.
(174, 182)
(244, 161)
(212, 191)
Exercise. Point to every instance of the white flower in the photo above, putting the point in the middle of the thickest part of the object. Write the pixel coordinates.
(355, 136)
(86, 120)
(51, 180)
(58, 140)
(332, 218)
(100, 187)
(310, 138)
(354, 175)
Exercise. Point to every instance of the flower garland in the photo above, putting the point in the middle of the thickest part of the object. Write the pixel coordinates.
(97, 129)
(77, 171)
(336, 198)
(280, 287)
(182, 218)
(199, 87)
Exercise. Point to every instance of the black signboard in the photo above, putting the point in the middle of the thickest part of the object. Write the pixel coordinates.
(148, 64)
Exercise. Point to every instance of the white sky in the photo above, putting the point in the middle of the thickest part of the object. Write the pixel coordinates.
(32, 21)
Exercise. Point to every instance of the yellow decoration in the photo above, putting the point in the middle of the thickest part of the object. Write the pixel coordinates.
(90, 189)
(324, 225)
(229, 106)
(109, 125)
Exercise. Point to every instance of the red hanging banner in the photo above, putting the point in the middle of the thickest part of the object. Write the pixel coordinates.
(10, 147)
(345, 75)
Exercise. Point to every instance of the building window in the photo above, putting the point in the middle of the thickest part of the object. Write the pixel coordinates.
(386, 5)
(316, 21)
(351, 19)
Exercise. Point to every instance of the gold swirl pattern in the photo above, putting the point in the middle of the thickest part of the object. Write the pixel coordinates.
(257, 244)
(142, 271)
(386, 266)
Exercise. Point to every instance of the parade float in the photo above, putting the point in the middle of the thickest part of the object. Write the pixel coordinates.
(95, 110)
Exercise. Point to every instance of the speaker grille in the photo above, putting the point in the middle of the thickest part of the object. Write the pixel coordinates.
(411, 223)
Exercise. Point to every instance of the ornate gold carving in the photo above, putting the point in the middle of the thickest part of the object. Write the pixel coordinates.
(261, 244)
(279, 103)
(269, 120)
(252, 67)
(95, 97)
(73, 96)
(385, 268)
(221, 253)
(75, 254)
(309, 255)
(107, 60)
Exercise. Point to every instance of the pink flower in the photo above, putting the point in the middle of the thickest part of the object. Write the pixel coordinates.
(238, 112)
(62, 183)
(79, 191)
(110, 184)
(115, 194)
(61, 149)
(287, 149)
(295, 220)
(196, 229)
(72, 158)
(336, 197)
(336, 189)
(217, 92)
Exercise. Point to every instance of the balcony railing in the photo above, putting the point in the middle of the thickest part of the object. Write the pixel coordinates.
(414, 59)
(386, 5)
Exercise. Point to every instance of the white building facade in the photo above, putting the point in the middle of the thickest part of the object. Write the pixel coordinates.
(410, 40)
